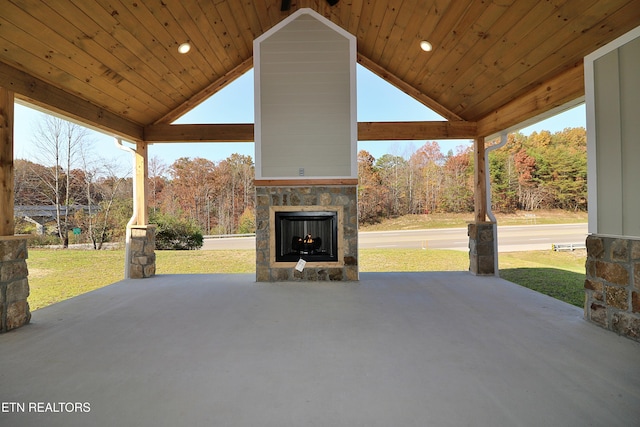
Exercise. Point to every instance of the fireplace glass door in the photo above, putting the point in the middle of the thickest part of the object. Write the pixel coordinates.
(312, 236)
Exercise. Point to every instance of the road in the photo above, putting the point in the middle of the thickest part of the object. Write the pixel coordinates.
(510, 238)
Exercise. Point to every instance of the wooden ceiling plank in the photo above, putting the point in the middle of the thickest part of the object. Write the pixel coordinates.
(387, 24)
(405, 13)
(397, 47)
(453, 93)
(274, 13)
(409, 90)
(141, 70)
(345, 14)
(201, 36)
(111, 41)
(253, 24)
(227, 43)
(147, 29)
(429, 25)
(539, 29)
(456, 20)
(60, 67)
(48, 43)
(379, 11)
(262, 14)
(170, 34)
(482, 34)
(566, 48)
(70, 83)
(42, 94)
(244, 48)
(364, 25)
(354, 16)
(553, 93)
(207, 92)
(88, 70)
(243, 24)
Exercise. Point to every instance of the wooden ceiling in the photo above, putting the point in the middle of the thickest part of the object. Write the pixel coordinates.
(114, 64)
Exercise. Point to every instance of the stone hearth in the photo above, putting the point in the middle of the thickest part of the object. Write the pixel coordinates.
(339, 198)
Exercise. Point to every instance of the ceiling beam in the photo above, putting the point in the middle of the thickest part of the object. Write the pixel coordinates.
(553, 93)
(242, 132)
(205, 93)
(412, 131)
(406, 88)
(367, 131)
(54, 100)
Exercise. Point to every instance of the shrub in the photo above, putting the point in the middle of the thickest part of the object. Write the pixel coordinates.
(175, 233)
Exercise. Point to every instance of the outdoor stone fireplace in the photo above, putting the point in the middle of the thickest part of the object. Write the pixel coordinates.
(306, 151)
(286, 215)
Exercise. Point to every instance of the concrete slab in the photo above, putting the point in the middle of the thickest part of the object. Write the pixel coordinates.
(401, 349)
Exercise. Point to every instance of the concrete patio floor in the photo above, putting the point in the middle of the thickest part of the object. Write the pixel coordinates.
(395, 349)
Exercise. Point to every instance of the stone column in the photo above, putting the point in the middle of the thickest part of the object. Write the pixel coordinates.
(481, 248)
(612, 284)
(14, 284)
(142, 257)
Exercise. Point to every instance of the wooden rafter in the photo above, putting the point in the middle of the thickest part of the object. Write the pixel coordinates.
(408, 89)
(241, 132)
(44, 95)
(205, 93)
(389, 131)
(553, 93)
(367, 131)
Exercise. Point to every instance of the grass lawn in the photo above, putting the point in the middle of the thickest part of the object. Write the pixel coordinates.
(557, 274)
(56, 275)
(453, 220)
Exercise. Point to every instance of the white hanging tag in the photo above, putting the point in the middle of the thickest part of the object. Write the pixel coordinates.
(300, 265)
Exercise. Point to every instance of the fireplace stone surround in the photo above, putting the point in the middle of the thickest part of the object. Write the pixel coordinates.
(306, 198)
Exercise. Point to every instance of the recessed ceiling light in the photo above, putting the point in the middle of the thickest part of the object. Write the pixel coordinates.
(426, 46)
(184, 48)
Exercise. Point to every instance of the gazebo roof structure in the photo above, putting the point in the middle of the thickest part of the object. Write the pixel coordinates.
(115, 65)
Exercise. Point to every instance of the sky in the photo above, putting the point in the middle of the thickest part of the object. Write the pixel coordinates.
(377, 100)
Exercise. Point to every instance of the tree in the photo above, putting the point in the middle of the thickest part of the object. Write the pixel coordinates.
(428, 161)
(457, 193)
(157, 181)
(58, 143)
(192, 185)
(392, 170)
(233, 191)
(371, 194)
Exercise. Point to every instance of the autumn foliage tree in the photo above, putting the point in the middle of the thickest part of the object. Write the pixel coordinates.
(540, 171)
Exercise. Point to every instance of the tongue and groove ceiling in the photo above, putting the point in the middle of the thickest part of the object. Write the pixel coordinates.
(114, 64)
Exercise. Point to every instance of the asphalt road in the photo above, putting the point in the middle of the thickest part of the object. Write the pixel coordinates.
(510, 238)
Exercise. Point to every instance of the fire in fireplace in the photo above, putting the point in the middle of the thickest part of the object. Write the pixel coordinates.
(312, 236)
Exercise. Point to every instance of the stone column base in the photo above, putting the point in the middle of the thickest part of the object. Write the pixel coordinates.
(481, 248)
(612, 284)
(142, 256)
(14, 283)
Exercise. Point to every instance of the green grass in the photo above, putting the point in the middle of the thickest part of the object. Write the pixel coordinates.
(449, 220)
(557, 274)
(381, 260)
(56, 275)
(205, 262)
